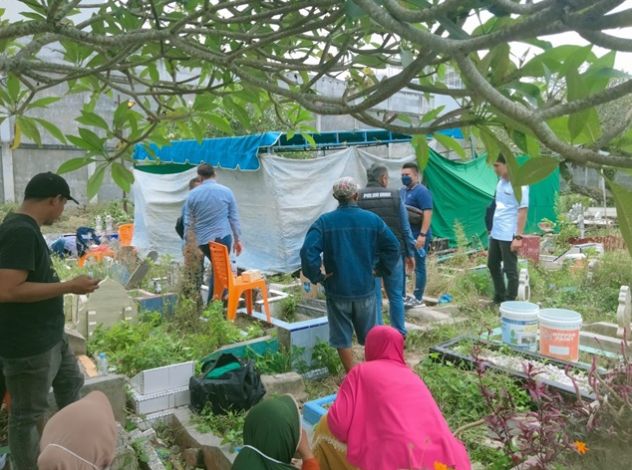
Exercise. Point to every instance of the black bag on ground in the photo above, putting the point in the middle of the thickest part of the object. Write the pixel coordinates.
(227, 383)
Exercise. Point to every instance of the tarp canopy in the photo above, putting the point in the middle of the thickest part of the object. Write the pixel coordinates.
(222, 152)
(278, 203)
(463, 190)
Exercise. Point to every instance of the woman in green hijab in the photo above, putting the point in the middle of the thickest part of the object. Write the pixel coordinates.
(272, 436)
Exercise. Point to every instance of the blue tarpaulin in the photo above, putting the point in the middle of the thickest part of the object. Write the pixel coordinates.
(230, 153)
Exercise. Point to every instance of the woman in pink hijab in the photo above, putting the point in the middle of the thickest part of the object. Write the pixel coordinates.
(385, 417)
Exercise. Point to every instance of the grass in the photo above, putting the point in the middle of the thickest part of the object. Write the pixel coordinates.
(229, 427)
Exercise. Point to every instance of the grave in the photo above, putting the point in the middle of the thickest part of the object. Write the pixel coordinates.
(106, 306)
(165, 303)
(311, 327)
(162, 388)
(314, 410)
(494, 355)
(275, 302)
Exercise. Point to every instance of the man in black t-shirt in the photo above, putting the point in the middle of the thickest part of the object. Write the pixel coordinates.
(34, 351)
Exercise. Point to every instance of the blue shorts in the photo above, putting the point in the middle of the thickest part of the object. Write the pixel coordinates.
(345, 316)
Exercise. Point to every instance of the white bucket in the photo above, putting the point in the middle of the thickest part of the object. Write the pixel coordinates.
(559, 333)
(519, 322)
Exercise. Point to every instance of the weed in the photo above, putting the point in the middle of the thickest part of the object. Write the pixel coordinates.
(324, 355)
(289, 307)
(229, 427)
(278, 362)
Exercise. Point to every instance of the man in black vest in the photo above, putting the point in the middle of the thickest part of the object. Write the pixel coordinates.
(387, 203)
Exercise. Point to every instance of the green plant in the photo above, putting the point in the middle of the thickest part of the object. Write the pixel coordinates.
(457, 392)
(289, 307)
(278, 362)
(229, 427)
(324, 355)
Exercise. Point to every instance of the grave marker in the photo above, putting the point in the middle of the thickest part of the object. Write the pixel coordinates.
(624, 313)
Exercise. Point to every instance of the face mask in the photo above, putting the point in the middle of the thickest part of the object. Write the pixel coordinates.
(406, 180)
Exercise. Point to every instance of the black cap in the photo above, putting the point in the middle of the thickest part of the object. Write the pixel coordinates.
(48, 185)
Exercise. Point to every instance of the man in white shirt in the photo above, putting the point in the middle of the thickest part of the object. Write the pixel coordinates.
(505, 239)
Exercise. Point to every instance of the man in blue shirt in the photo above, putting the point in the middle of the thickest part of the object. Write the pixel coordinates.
(210, 214)
(505, 239)
(355, 245)
(387, 203)
(418, 200)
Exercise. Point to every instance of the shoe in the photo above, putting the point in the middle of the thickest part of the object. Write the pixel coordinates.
(412, 302)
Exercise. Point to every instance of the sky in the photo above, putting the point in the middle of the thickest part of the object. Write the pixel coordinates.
(623, 61)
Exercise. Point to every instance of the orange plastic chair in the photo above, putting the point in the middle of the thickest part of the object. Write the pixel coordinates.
(223, 279)
(98, 253)
(125, 233)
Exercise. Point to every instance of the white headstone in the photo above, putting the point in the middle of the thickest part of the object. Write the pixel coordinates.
(524, 289)
(624, 313)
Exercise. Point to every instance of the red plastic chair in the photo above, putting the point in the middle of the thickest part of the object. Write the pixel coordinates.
(223, 278)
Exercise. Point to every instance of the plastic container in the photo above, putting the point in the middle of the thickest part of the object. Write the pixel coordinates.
(559, 333)
(102, 364)
(519, 321)
(125, 234)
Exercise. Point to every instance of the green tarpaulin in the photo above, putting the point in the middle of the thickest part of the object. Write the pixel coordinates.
(462, 191)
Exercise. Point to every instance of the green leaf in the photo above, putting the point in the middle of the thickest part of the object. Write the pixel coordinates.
(204, 102)
(450, 143)
(431, 115)
(52, 129)
(88, 118)
(309, 139)
(353, 11)
(73, 164)
(122, 176)
(534, 170)
(29, 129)
(95, 181)
(422, 150)
(370, 60)
(13, 87)
(43, 102)
(623, 202)
(93, 140)
(219, 123)
(491, 144)
(406, 57)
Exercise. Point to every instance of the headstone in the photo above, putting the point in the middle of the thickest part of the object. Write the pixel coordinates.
(106, 306)
(76, 341)
(624, 313)
(141, 271)
(524, 288)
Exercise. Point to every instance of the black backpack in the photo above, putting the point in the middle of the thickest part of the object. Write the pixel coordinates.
(227, 383)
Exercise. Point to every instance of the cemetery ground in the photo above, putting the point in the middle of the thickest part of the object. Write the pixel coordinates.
(504, 419)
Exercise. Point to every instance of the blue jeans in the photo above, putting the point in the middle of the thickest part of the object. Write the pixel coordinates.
(28, 380)
(345, 316)
(420, 274)
(228, 242)
(393, 284)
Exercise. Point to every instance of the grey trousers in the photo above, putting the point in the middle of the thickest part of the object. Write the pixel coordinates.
(28, 381)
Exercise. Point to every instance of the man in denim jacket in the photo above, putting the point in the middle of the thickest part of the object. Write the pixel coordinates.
(356, 245)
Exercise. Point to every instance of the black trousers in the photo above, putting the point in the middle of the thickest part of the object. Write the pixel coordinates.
(500, 251)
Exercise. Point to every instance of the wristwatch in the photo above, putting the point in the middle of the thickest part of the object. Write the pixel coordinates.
(422, 234)
(517, 237)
